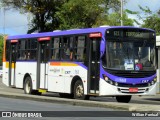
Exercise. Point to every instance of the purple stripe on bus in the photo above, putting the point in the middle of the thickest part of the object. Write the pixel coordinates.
(67, 32)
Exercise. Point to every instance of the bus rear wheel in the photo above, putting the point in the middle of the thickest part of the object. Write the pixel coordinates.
(123, 99)
(28, 87)
(79, 91)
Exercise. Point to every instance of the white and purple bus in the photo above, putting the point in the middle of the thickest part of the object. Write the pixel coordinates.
(79, 63)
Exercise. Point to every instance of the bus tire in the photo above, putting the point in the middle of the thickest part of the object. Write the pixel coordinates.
(123, 99)
(28, 87)
(79, 91)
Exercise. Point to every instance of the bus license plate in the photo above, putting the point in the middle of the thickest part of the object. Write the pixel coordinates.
(133, 89)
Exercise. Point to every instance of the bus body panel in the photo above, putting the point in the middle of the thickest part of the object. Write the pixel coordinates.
(44, 76)
(55, 79)
(61, 74)
(13, 76)
(158, 57)
(158, 82)
(5, 74)
(110, 90)
(6, 79)
(55, 83)
(23, 68)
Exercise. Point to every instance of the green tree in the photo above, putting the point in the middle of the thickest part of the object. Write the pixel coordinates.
(114, 19)
(43, 12)
(149, 18)
(87, 13)
(49, 15)
(152, 22)
(80, 13)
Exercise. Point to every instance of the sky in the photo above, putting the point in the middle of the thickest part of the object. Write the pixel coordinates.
(14, 23)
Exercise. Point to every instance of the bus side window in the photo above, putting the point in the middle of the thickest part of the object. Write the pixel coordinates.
(67, 48)
(80, 48)
(55, 48)
(7, 50)
(28, 49)
(21, 50)
(33, 49)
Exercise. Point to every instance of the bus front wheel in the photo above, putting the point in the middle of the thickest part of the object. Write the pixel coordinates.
(123, 99)
(79, 91)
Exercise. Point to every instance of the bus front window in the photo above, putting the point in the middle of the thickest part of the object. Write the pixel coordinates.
(132, 55)
(145, 55)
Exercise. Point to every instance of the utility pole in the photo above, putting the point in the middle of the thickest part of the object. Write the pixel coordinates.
(121, 12)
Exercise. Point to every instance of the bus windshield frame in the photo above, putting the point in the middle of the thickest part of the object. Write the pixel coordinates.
(130, 50)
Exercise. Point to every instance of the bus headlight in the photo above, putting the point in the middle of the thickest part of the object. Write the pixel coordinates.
(155, 79)
(152, 82)
(109, 80)
(105, 78)
(116, 84)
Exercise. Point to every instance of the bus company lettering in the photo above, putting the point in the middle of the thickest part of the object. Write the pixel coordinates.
(55, 70)
(145, 81)
(67, 72)
(122, 80)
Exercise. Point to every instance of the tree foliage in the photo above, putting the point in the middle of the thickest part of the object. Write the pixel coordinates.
(114, 19)
(43, 12)
(87, 13)
(152, 22)
(150, 19)
(49, 15)
(80, 13)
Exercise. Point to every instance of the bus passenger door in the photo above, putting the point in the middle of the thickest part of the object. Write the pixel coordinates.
(94, 66)
(42, 64)
(12, 62)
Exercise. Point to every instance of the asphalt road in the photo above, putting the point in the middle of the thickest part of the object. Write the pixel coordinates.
(60, 110)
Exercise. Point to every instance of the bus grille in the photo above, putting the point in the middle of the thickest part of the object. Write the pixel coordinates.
(126, 90)
(131, 85)
(132, 74)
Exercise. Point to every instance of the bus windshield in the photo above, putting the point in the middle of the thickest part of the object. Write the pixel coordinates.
(130, 55)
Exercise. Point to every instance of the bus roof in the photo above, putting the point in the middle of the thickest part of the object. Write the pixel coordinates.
(70, 32)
